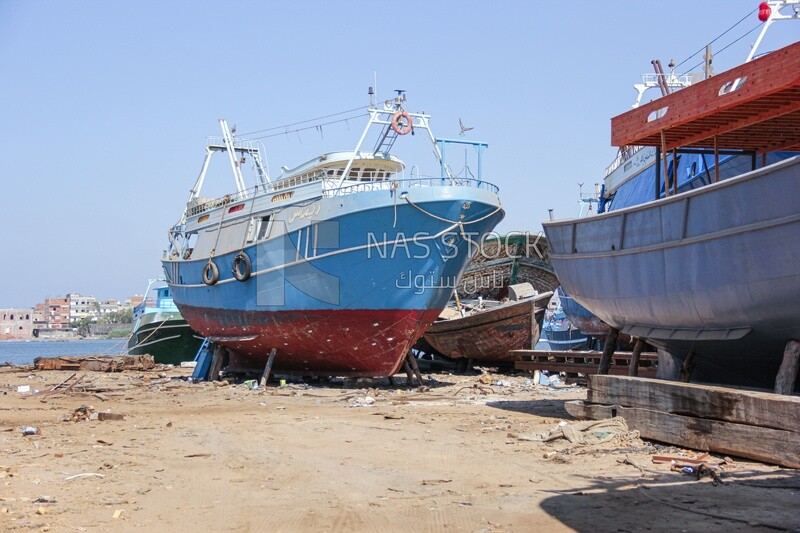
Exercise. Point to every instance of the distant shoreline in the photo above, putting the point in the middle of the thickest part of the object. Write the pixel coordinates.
(59, 339)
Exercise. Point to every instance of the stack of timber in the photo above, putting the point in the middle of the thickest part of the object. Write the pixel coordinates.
(757, 425)
(96, 363)
(574, 364)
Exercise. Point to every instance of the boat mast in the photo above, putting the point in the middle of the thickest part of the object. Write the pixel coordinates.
(768, 13)
(237, 170)
(384, 118)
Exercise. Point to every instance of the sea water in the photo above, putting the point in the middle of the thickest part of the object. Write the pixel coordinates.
(24, 352)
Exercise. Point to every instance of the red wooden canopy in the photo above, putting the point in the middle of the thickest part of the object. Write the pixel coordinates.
(762, 113)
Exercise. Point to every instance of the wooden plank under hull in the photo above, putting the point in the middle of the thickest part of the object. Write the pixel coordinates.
(752, 424)
(769, 445)
(492, 334)
(720, 403)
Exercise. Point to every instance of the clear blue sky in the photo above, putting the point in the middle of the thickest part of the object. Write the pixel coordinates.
(106, 105)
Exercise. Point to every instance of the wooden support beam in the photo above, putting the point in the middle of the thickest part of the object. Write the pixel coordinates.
(409, 372)
(412, 362)
(216, 363)
(608, 351)
(633, 369)
(787, 374)
(268, 368)
(687, 368)
(664, 163)
(674, 171)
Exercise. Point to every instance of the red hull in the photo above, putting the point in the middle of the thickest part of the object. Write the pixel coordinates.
(369, 343)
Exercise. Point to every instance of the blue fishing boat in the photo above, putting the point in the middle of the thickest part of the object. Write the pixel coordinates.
(561, 334)
(160, 330)
(706, 267)
(339, 264)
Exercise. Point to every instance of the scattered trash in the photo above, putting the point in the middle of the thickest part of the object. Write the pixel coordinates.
(586, 432)
(84, 412)
(45, 499)
(684, 460)
(118, 513)
(188, 364)
(108, 415)
(435, 481)
(699, 471)
(486, 379)
(29, 430)
(87, 474)
(24, 389)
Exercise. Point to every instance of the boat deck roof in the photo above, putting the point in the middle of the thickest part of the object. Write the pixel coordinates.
(762, 114)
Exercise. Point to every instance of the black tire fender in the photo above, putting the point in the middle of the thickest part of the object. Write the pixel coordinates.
(210, 273)
(242, 267)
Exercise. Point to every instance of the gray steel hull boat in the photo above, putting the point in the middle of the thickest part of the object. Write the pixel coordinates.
(714, 270)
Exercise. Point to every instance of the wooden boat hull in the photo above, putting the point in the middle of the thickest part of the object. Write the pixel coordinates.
(507, 260)
(491, 334)
(713, 271)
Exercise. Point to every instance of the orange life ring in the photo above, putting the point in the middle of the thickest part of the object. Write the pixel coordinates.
(397, 127)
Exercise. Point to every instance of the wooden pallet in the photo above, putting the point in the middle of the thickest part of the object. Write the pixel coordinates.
(583, 363)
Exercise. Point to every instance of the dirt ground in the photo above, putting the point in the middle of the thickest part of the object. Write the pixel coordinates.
(456, 455)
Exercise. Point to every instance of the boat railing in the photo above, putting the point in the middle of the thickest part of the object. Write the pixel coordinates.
(407, 183)
(622, 156)
(202, 205)
(244, 145)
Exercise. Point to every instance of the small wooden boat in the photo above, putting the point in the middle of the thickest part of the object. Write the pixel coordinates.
(490, 330)
(505, 260)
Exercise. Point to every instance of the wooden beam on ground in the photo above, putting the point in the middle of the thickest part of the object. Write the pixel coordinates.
(633, 368)
(703, 401)
(268, 368)
(64, 382)
(787, 374)
(775, 446)
(608, 351)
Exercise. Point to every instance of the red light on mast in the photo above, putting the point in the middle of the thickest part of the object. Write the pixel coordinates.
(764, 11)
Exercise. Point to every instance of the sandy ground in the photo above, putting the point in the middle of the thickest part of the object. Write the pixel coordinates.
(326, 457)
